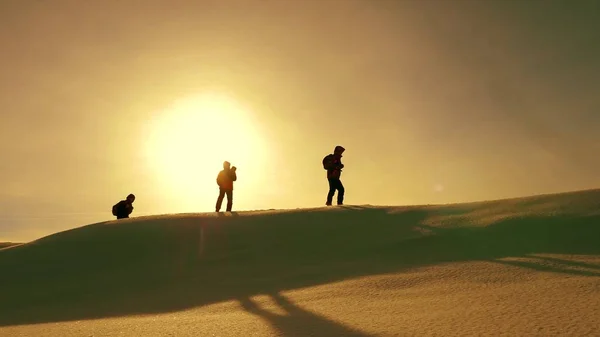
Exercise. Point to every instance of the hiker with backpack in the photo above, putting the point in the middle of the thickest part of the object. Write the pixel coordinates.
(225, 180)
(123, 208)
(333, 164)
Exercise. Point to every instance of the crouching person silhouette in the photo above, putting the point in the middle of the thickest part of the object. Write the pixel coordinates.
(225, 181)
(123, 208)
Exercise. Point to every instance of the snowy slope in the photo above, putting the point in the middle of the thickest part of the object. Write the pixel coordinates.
(526, 266)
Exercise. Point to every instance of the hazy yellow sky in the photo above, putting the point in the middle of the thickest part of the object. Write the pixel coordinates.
(435, 101)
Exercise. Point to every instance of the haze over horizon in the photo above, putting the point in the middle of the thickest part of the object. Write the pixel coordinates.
(435, 102)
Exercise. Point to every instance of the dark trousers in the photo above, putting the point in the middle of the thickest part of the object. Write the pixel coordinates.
(335, 184)
(222, 194)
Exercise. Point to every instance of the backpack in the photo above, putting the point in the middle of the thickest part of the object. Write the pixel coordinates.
(114, 209)
(327, 161)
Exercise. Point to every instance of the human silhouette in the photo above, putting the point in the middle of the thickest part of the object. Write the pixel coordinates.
(123, 208)
(225, 180)
(333, 164)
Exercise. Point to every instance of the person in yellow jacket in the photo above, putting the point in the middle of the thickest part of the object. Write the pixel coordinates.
(225, 180)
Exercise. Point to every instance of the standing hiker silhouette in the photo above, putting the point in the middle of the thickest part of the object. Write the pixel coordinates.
(225, 180)
(333, 164)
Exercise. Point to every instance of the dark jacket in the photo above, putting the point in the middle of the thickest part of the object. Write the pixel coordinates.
(122, 209)
(335, 170)
(225, 179)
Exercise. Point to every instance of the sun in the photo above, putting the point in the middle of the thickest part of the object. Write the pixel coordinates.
(186, 145)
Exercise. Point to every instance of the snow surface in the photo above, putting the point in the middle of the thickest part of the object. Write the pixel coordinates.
(515, 267)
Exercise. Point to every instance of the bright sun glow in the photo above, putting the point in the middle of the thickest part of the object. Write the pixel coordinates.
(188, 142)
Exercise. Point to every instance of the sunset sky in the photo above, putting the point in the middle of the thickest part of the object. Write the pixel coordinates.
(434, 101)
